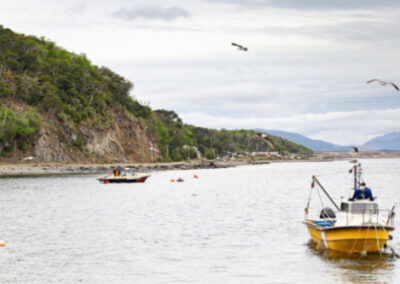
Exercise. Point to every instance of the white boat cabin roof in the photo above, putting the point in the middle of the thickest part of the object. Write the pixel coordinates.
(359, 206)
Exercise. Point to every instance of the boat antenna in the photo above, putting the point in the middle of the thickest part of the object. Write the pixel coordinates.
(355, 176)
(357, 171)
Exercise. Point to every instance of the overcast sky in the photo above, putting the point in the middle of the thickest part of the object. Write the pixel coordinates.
(305, 70)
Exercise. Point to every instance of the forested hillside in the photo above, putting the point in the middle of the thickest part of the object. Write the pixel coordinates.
(57, 106)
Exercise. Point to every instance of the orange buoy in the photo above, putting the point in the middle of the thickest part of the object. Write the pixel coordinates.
(172, 180)
(2, 244)
(195, 176)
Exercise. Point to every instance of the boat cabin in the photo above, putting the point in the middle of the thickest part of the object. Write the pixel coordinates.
(122, 172)
(359, 207)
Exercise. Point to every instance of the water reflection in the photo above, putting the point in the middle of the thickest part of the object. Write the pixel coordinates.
(356, 268)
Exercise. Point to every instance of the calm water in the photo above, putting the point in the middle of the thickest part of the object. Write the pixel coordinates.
(239, 225)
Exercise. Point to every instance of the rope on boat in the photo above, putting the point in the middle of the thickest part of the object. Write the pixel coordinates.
(394, 253)
(365, 244)
(377, 239)
(315, 181)
(355, 240)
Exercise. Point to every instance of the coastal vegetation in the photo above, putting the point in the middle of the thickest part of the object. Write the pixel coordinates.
(43, 86)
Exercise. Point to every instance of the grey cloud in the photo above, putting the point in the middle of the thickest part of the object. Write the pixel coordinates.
(315, 4)
(357, 31)
(151, 13)
(333, 4)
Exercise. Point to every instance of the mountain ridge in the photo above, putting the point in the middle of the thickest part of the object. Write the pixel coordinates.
(313, 144)
(386, 142)
(389, 142)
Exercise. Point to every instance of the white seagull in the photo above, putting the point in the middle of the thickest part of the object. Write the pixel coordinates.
(384, 83)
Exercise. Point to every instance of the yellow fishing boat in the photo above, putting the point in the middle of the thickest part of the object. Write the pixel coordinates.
(357, 226)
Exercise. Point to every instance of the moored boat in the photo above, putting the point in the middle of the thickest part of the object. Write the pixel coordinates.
(120, 175)
(357, 226)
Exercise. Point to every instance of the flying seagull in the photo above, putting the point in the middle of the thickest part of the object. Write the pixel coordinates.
(240, 47)
(266, 139)
(355, 149)
(384, 83)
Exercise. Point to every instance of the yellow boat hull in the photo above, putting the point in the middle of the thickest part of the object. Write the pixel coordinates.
(350, 240)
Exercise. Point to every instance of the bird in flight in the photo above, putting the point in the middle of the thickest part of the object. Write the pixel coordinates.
(266, 139)
(355, 149)
(240, 47)
(384, 83)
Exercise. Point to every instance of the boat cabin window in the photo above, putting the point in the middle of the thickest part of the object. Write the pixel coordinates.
(362, 208)
(344, 207)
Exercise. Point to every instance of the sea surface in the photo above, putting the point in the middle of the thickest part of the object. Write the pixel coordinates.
(236, 225)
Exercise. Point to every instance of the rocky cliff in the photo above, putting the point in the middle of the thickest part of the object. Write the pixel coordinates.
(125, 140)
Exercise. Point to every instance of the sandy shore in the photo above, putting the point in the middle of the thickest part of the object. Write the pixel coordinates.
(35, 169)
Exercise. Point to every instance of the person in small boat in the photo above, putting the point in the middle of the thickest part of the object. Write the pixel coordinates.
(117, 171)
(357, 195)
(362, 193)
(367, 192)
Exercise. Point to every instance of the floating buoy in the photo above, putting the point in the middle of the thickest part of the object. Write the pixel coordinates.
(195, 176)
(172, 180)
(2, 243)
(180, 180)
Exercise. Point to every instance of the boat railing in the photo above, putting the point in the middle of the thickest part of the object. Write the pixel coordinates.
(371, 215)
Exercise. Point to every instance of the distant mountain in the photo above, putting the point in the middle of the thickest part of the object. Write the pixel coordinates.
(315, 145)
(390, 141)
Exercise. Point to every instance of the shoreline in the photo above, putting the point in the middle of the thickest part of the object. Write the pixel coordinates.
(43, 168)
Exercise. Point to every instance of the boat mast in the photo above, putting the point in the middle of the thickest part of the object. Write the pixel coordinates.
(355, 176)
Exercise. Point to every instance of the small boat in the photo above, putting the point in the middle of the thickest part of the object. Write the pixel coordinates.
(120, 175)
(357, 226)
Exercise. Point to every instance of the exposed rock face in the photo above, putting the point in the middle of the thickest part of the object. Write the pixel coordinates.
(124, 141)
(49, 147)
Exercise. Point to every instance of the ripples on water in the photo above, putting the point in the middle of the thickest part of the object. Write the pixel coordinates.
(239, 225)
